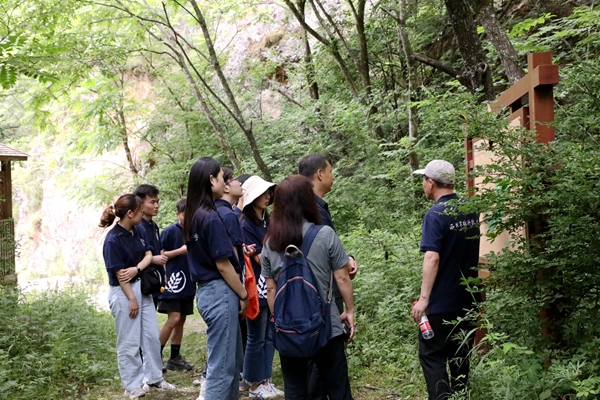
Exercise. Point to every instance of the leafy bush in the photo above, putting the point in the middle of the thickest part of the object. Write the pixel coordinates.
(53, 345)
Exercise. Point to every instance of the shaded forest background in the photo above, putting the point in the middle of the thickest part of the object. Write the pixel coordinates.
(105, 95)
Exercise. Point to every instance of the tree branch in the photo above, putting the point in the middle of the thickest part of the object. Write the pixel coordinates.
(442, 67)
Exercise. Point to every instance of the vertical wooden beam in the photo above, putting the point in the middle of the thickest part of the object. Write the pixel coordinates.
(541, 101)
(8, 191)
(470, 166)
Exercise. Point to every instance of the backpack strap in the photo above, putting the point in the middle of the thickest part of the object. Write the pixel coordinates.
(307, 242)
(309, 238)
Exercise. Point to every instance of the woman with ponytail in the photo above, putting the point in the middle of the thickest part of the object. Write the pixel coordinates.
(126, 253)
(215, 268)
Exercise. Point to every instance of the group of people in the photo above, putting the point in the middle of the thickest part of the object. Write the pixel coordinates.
(223, 221)
(224, 224)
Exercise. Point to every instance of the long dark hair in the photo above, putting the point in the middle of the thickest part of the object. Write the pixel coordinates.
(127, 202)
(199, 193)
(294, 202)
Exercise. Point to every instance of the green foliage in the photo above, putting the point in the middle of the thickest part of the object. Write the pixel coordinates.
(57, 332)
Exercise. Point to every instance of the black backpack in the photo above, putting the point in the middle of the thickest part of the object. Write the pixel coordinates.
(302, 319)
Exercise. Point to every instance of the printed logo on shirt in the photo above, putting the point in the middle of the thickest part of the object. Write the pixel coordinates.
(143, 242)
(459, 225)
(195, 237)
(176, 282)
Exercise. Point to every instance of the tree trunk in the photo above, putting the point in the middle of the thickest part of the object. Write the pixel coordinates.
(331, 46)
(124, 138)
(477, 71)
(502, 44)
(239, 117)
(413, 127)
(223, 144)
(313, 87)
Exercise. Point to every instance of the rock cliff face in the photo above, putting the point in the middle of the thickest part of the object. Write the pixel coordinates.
(57, 230)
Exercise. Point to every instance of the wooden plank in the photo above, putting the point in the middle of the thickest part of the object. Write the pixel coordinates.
(541, 75)
(512, 95)
(523, 115)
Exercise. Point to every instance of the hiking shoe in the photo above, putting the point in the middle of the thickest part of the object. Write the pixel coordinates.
(164, 367)
(278, 392)
(202, 388)
(263, 391)
(135, 393)
(162, 385)
(179, 364)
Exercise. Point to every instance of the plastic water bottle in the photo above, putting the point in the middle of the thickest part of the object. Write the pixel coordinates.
(425, 326)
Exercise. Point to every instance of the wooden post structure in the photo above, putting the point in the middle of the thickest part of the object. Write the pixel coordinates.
(531, 105)
(7, 225)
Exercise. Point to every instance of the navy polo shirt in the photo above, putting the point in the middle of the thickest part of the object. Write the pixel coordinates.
(179, 281)
(237, 212)
(324, 213)
(123, 250)
(254, 234)
(455, 237)
(208, 243)
(232, 225)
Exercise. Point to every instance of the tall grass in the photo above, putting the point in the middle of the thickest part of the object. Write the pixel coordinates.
(53, 345)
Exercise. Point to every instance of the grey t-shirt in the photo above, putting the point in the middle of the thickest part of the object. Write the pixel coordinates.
(326, 255)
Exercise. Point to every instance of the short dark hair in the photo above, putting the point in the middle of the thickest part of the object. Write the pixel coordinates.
(440, 185)
(310, 164)
(243, 178)
(145, 190)
(181, 205)
(227, 174)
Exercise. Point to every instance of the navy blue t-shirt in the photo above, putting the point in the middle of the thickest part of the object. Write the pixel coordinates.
(123, 250)
(179, 281)
(232, 225)
(455, 237)
(254, 234)
(324, 213)
(208, 243)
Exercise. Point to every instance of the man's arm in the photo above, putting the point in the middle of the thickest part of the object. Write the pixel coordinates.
(430, 269)
(345, 285)
(352, 267)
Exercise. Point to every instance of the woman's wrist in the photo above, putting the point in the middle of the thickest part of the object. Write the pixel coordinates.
(245, 297)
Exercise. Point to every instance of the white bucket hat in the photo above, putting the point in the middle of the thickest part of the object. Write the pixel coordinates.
(254, 187)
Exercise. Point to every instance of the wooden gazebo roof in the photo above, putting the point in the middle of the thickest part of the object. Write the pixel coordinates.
(8, 153)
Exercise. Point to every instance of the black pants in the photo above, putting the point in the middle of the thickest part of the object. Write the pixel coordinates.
(446, 347)
(333, 370)
(316, 386)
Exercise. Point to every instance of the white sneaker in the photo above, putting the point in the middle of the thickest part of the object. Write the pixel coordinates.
(135, 393)
(161, 386)
(263, 391)
(202, 388)
(244, 386)
(278, 392)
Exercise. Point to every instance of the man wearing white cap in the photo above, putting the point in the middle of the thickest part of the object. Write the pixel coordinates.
(450, 241)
